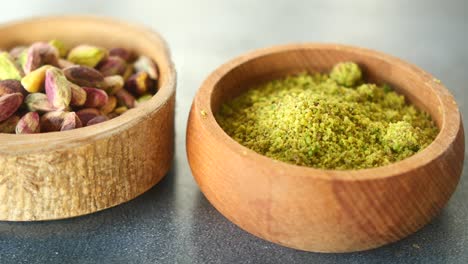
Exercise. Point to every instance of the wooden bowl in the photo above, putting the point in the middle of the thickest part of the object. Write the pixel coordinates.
(324, 210)
(65, 174)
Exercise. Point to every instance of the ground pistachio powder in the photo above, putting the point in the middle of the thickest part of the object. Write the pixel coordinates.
(329, 121)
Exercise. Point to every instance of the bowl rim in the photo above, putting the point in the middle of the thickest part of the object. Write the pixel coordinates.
(450, 125)
(31, 143)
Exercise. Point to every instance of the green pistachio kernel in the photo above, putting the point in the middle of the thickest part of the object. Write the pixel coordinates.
(60, 46)
(8, 68)
(87, 55)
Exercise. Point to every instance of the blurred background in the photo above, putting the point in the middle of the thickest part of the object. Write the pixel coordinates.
(173, 222)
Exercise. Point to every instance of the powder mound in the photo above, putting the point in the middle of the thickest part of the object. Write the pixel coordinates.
(327, 121)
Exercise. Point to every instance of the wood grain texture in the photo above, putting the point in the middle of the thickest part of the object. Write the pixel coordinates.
(324, 210)
(65, 174)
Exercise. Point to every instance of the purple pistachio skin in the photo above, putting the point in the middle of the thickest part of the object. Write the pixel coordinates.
(29, 124)
(112, 65)
(40, 53)
(9, 103)
(97, 120)
(95, 98)
(84, 76)
(87, 114)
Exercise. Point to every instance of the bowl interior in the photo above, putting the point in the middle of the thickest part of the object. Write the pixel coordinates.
(377, 68)
(99, 31)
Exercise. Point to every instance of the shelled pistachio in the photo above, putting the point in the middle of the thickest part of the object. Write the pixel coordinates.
(50, 86)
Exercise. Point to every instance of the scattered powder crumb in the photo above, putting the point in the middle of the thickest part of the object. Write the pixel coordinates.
(416, 246)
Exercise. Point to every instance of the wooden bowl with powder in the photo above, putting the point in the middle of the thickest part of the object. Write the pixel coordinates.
(324, 210)
(70, 173)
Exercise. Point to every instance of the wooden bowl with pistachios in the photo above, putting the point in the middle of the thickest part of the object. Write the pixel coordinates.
(325, 147)
(86, 115)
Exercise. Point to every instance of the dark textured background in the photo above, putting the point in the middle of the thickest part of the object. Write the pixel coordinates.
(173, 222)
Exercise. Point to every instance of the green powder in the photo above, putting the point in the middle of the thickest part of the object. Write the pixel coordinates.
(326, 121)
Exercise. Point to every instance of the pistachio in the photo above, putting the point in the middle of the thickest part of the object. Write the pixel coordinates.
(128, 72)
(112, 115)
(123, 53)
(139, 83)
(97, 120)
(144, 98)
(60, 46)
(109, 106)
(112, 84)
(70, 121)
(87, 114)
(63, 63)
(9, 103)
(145, 64)
(33, 82)
(87, 55)
(17, 51)
(28, 124)
(38, 102)
(8, 68)
(40, 53)
(11, 86)
(124, 98)
(84, 76)
(95, 97)
(58, 88)
(120, 110)
(21, 60)
(52, 121)
(78, 96)
(9, 125)
(112, 65)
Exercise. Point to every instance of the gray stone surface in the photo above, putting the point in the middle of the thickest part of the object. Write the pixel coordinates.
(173, 222)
